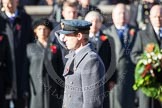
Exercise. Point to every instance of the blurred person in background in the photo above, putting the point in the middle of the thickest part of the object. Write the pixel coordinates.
(140, 11)
(84, 7)
(16, 24)
(123, 34)
(42, 56)
(150, 35)
(69, 12)
(64, 10)
(5, 68)
(101, 44)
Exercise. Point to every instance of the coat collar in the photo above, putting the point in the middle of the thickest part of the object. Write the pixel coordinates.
(73, 61)
(151, 34)
(118, 49)
(82, 53)
(112, 32)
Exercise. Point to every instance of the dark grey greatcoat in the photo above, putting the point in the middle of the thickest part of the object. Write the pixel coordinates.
(45, 93)
(5, 68)
(122, 95)
(102, 47)
(84, 80)
(19, 34)
(101, 44)
(143, 38)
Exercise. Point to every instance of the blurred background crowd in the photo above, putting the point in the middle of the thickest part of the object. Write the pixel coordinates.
(30, 51)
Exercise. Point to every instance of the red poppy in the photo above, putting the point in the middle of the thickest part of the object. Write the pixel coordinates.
(53, 49)
(132, 32)
(103, 38)
(1, 38)
(18, 27)
(147, 68)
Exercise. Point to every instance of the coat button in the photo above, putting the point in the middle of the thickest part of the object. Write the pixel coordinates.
(71, 82)
(66, 77)
(69, 96)
(64, 106)
(75, 69)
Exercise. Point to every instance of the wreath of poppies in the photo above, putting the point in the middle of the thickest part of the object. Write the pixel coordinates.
(148, 72)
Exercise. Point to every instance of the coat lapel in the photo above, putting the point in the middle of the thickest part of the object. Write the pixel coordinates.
(152, 35)
(73, 61)
(69, 64)
(99, 43)
(118, 45)
(81, 54)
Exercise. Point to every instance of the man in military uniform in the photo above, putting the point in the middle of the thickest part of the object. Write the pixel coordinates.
(84, 70)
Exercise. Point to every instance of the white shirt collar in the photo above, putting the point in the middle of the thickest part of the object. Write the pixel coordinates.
(11, 14)
(156, 29)
(92, 34)
(121, 27)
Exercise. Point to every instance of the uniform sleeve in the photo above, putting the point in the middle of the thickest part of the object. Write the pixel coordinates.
(93, 83)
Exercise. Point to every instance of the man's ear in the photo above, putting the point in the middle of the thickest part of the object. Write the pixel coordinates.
(35, 30)
(80, 36)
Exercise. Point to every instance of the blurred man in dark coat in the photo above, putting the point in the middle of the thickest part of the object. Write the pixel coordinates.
(150, 35)
(16, 24)
(5, 68)
(102, 44)
(123, 34)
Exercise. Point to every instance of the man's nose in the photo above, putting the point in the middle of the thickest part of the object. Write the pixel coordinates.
(9, 5)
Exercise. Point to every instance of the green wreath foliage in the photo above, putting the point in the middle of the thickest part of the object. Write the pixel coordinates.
(147, 72)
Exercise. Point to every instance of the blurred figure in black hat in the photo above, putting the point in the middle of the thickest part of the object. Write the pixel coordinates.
(45, 64)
